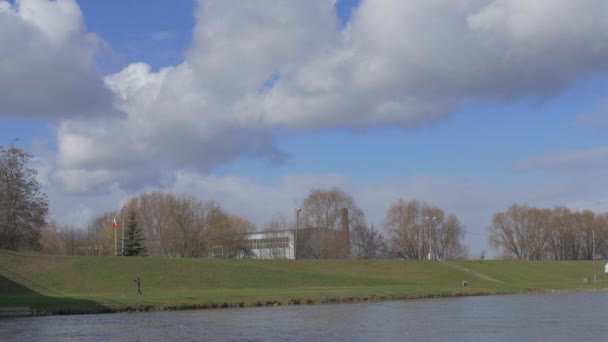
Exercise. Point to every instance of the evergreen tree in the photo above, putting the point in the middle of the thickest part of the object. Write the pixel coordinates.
(134, 242)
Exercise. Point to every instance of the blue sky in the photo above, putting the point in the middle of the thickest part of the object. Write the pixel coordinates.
(454, 105)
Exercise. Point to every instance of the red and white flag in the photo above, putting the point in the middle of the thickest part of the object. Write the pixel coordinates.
(114, 225)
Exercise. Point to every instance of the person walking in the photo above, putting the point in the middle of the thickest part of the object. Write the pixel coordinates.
(138, 283)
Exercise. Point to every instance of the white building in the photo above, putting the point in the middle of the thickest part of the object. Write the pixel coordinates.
(270, 245)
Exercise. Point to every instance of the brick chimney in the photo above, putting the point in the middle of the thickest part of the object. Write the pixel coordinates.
(346, 232)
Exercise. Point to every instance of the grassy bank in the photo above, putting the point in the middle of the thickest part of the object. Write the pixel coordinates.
(105, 284)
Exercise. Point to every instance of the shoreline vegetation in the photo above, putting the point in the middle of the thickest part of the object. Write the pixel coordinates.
(51, 285)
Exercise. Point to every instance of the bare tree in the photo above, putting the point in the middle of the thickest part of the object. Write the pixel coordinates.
(367, 242)
(587, 224)
(403, 222)
(418, 231)
(155, 212)
(601, 236)
(530, 233)
(559, 231)
(51, 240)
(322, 211)
(446, 238)
(227, 230)
(571, 234)
(100, 235)
(189, 215)
(23, 206)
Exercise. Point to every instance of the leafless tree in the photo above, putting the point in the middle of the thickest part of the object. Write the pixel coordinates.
(571, 234)
(418, 230)
(190, 216)
(155, 212)
(524, 232)
(446, 237)
(322, 211)
(100, 235)
(23, 206)
(403, 222)
(559, 230)
(367, 242)
(228, 231)
(521, 232)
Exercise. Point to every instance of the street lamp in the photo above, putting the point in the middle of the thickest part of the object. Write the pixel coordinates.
(593, 242)
(295, 241)
(431, 219)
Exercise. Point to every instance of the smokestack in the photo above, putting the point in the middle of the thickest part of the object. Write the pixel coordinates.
(346, 232)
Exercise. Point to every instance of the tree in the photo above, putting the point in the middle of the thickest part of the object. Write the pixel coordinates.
(23, 206)
(404, 226)
(367, 242)
(447, 235)
(559, 232)
(322, 212)
(417, 230)
(190, 237)
(154, 211)
(521, 232)
(51, 240)
(134, 242)
(227, 231)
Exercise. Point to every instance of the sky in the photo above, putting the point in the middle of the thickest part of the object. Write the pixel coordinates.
(469, 105)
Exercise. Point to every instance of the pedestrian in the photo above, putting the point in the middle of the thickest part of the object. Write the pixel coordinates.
(138, 283)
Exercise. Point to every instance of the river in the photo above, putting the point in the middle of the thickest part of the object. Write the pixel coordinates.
(578, 316)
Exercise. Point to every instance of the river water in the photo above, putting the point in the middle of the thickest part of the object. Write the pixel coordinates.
(580, 316)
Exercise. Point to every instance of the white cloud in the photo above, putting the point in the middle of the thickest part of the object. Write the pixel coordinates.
(408, 63)
(47, 62)
(413, 62)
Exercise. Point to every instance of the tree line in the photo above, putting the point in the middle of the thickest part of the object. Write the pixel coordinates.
(164, 224)
(524, 232)
(184, 226)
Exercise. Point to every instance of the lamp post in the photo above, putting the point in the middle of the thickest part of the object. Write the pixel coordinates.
(295, 240)
(123, 230)
(431, 219)
(593, 242)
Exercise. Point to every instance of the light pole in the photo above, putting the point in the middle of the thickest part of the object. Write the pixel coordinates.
(431, 219)
(295, 240)
(123, 230)
(593, 242)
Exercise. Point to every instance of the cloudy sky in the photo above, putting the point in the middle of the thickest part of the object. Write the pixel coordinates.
(470, 105)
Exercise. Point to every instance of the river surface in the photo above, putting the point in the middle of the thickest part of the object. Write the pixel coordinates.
(580, 316)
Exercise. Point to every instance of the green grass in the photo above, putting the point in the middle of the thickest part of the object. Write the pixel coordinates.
(105, 284)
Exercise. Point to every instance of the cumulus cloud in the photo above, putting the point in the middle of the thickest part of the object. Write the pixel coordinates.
(47, 62)
(413, 62)
(253, 68)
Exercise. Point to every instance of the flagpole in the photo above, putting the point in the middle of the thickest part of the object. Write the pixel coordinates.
(123, 232)
(114, 241)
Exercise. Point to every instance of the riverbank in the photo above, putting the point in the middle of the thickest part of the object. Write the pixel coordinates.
(77, 285)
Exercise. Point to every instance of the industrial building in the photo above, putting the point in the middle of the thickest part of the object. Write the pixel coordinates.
(304, 243)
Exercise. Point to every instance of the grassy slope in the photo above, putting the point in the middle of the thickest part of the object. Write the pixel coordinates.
(94, 284)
